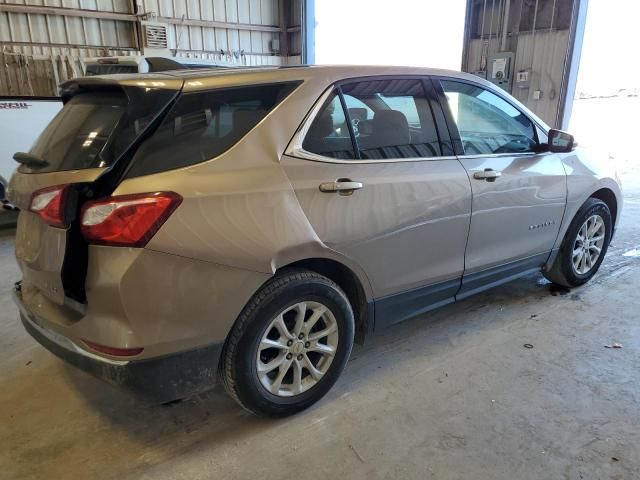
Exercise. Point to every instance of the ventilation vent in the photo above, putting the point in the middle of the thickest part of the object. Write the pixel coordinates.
(155, 35)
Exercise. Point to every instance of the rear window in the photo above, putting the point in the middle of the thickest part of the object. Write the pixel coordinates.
(93, 129)
(75, 136)
(203, 125)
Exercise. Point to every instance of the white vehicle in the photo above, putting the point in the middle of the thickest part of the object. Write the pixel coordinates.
(22, 119)
(144, 64)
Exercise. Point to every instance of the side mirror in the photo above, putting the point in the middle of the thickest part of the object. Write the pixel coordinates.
(560, 142)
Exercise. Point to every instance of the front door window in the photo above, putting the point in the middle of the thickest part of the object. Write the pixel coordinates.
(487, 123)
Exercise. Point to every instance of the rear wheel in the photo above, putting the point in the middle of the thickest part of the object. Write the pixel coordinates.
(289, 345)
(584, 246)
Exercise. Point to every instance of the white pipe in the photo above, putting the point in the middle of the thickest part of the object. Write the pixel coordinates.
(505, 25)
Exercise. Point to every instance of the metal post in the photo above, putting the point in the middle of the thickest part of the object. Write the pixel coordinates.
(505, 25)
(308, 32)
(468, 27)
(283, 24)
(572, 63)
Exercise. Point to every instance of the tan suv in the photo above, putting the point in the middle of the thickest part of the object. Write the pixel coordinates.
(251, 224)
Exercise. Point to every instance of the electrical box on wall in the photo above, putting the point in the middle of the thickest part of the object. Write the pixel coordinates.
(500, 69)
(523, 79)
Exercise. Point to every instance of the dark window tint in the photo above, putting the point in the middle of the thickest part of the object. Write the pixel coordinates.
(94, 129)
(203, 125)
(487, 123)
(329, 134)
(76, 136)
(109, 69)
(394, 119)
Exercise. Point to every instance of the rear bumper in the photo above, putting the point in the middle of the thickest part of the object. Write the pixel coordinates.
(159, 380)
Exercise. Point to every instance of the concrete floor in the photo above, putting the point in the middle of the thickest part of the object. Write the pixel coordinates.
(450, 395)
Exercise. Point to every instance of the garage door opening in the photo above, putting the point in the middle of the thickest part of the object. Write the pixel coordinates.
(424, 33)
(604, 115)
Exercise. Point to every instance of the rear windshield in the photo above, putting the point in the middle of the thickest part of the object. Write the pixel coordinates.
(93, 129)
(203, 125)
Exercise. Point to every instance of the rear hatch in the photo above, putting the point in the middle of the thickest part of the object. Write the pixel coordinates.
(83, 153)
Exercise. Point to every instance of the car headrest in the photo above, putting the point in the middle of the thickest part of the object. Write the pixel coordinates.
(358, 113)
(390, 127)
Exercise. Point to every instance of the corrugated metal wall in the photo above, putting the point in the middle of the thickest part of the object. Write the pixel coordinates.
(37, 33)
(207, 41)
(544, 56)
(56, 35)
(538, 32)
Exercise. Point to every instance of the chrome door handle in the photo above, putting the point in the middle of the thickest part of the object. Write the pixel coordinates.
(342, 186)
(488, 174)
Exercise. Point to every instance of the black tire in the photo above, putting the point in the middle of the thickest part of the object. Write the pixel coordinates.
(562, 272)
(238, 365)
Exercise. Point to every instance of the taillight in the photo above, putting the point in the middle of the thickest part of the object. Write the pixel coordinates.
(49, 204)
(127, 220)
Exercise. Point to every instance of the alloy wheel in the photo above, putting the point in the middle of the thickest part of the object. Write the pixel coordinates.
(297, 348)
(588, 244)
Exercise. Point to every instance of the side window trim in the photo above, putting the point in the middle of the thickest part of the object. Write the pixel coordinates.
(442, 130)
(295, 149)
(453, 128)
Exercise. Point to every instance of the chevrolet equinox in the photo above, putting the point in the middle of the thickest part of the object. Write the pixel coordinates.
(250, 225)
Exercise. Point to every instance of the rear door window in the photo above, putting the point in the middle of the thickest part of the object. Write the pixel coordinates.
(399, 121)
(203, 125)
(389, 119)
(329, 134)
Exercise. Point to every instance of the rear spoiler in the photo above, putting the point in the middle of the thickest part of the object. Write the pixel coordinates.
(71, 88)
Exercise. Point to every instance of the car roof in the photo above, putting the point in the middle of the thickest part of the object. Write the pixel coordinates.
(331, 70)
(203, 78)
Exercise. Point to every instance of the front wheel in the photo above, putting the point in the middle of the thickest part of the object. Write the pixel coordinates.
(289, 345)
(584, 246)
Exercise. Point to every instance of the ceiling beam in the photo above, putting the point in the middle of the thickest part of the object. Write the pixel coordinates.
(67, 12)
(213, 24)
(65, 45)
(129, 17)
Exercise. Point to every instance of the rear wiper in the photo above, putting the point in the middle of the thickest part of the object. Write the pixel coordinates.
(29, 160)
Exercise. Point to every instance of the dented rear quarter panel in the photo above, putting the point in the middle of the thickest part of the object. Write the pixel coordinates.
(239, 209)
